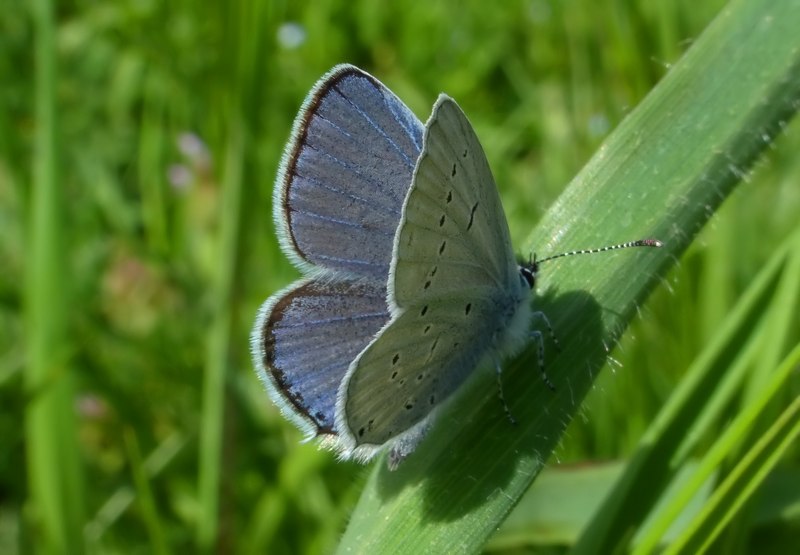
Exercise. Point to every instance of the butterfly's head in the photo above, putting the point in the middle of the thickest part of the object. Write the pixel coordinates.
(528, 271)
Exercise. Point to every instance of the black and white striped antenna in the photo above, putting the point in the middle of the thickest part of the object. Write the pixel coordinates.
(629, 244)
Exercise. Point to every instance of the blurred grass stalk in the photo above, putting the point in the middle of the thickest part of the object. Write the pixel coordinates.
(665, 169)
(738, 487)
(244, 46)
(56, 503)
(219, 343)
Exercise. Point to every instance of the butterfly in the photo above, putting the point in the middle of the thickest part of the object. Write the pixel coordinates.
(410, 279)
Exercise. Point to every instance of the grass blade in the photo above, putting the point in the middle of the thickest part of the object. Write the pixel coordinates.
(219, 347)
(54, 469)
(740, 485)
(708, 388)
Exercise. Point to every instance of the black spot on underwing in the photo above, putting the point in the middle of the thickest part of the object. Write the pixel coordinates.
(472, 216)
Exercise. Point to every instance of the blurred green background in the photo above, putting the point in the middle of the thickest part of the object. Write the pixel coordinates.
(169, 122)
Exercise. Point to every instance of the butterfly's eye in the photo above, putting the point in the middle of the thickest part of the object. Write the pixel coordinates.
(527, 275)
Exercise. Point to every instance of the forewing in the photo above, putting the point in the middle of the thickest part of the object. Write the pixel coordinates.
(453, 237)
(453, 287)
(345, 175)
(305, 338)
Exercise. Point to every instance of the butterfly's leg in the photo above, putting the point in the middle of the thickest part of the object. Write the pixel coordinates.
(536, 335)
(539, 315)
(406, 445)
(499, 370)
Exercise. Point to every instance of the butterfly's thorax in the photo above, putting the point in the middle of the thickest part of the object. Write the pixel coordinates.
(513, 329)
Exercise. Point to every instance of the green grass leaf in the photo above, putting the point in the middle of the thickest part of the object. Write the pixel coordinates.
(54, 472)
(747, 476)
(662, 173)
(710, 386)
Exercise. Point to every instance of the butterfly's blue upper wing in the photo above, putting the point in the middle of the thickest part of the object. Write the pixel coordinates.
(338, 199)
(345, 175)
(304, 340)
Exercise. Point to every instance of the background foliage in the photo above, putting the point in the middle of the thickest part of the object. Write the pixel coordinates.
(157, 164)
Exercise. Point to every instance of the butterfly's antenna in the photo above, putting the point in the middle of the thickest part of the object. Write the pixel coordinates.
(629, 244)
